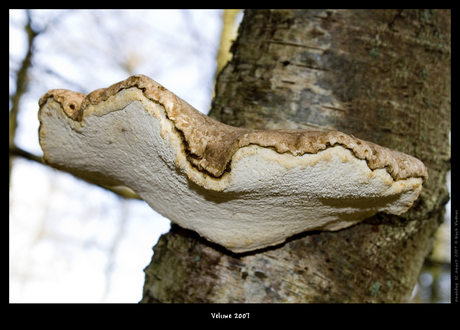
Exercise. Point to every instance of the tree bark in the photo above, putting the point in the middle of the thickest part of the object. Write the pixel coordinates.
(381, 75)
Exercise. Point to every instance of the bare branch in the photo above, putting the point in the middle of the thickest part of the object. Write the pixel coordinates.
(121, 191)
(15, 151)
(21, 85)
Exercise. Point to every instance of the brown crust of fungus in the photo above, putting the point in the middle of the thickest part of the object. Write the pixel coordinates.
(210, 144)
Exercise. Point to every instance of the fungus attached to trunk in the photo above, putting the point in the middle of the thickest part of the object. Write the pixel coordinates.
(240, 188)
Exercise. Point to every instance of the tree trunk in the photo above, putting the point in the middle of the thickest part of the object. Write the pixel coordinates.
(381, 75)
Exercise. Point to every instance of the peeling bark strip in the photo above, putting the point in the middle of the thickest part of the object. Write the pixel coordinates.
(240, 188)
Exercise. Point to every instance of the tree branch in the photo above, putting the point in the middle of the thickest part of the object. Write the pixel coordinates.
(121, 191)
(21, 86)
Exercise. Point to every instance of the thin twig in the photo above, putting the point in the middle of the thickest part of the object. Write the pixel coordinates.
(124, 192)
(21, 85)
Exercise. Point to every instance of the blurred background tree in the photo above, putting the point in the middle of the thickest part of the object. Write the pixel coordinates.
(73, 241)
(64, 230)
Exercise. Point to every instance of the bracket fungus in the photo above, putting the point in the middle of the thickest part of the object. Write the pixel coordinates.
(240, 188)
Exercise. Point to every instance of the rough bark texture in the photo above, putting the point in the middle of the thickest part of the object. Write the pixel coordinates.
(381, 75)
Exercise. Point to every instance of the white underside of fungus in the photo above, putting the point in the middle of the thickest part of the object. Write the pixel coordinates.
(242, 189)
